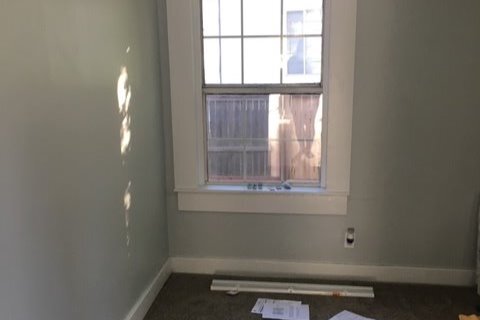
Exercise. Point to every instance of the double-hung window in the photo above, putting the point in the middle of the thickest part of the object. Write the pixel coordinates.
(261, 92)
(262, 71)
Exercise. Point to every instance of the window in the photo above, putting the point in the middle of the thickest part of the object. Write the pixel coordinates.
(274, 46)
(266, 104)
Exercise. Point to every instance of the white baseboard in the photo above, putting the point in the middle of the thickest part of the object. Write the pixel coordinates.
(279, 268)
(140, 309)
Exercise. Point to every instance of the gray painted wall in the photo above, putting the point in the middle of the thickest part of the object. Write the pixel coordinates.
(63, 251)
(415, 169)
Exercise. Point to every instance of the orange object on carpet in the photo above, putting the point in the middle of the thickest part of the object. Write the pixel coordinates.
(472, 317)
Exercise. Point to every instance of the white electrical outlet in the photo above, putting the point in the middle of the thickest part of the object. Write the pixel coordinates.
(350, 238)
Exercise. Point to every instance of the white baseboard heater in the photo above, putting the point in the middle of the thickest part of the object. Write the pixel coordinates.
(236, 286)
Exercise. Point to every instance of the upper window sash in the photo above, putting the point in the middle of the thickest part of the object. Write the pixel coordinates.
(296, 28)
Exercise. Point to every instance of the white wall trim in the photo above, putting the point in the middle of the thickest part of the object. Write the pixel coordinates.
(140, 309)
(263, 202)
(252, 267)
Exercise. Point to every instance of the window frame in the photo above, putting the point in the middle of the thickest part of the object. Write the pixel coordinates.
(188, 120)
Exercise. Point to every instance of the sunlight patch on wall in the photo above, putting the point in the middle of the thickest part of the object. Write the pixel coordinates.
(127, 198)
(124, 95)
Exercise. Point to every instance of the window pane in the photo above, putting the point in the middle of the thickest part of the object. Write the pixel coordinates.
(313, 55)
(231, 61)
(257, 164)
(230, 24)
(303, 60)
(294, 23)
(210, 18)
(211, 58)
(303, 17)
(261, 17)
(255, 115)
(225, 117)
(264, 138)
(225, 163)
(262, 60)
(313, 23)
(301, 138)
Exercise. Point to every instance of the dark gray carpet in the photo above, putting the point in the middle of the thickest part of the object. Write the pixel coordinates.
(187, 296)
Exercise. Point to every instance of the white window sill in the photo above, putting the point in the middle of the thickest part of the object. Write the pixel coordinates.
(298, 200)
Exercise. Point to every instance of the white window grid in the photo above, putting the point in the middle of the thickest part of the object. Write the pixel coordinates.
(261, 88)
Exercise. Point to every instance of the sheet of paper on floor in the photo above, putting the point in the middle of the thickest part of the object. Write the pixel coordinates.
(258, 307)
(347, 315)
(285, 311)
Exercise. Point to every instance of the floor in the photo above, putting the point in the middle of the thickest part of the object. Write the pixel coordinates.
(187, 296)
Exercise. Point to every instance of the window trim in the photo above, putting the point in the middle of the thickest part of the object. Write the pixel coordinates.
(186, 77)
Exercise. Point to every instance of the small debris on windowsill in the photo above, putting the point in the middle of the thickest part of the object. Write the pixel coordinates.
(259, 186)
(286, 185)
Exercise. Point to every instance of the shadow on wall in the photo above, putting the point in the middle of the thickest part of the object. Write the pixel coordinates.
(415, 136)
